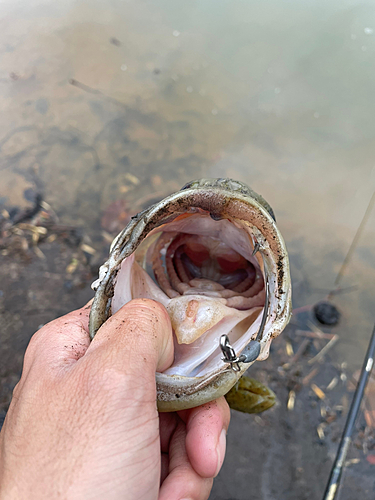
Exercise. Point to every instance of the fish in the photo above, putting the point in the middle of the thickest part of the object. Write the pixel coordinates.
(212, 254)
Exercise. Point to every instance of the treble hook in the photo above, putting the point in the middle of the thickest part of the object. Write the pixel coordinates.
(252, 350)
(229, 355)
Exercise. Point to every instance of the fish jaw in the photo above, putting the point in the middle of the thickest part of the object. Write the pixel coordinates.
(243, 210)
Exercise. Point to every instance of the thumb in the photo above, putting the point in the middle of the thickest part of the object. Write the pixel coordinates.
(137, 337)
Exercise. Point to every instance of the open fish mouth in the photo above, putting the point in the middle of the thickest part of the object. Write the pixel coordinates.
(213, 256)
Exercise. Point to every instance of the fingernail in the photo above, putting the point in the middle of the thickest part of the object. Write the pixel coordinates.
(220, 450)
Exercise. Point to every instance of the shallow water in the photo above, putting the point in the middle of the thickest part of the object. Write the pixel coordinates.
(276, 94)
(279, 95)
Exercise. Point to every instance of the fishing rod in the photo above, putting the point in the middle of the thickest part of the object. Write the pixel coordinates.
(346, 439)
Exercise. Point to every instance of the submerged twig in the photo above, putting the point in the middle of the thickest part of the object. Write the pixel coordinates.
(313, 335)
(324, 351)
(340, 291)
(301, 349)
(307, 379)
(315, 329)
(92, 90)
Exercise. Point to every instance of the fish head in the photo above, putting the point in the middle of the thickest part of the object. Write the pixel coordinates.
(213, 256)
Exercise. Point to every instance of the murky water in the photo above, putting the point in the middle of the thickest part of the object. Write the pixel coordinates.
(276, 94)
(279, 95)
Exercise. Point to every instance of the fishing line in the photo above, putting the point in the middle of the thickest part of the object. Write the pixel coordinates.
(355, 239)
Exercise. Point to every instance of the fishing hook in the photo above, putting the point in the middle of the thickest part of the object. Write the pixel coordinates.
(252, 350)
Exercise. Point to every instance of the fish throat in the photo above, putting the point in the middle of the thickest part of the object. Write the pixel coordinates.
(206, 266)
(204, 272)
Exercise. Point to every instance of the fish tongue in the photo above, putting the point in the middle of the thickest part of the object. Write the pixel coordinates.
(193, 315)
(189, 357)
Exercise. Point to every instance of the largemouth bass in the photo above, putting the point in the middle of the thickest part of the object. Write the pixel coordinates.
(214, 257)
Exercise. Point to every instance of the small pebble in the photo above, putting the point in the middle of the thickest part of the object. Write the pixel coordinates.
(326, 313)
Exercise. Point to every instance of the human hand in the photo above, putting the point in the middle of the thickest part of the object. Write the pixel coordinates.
(83, 422)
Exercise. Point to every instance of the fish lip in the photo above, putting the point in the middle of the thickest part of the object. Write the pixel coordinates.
(223, 203)
(232, 186)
